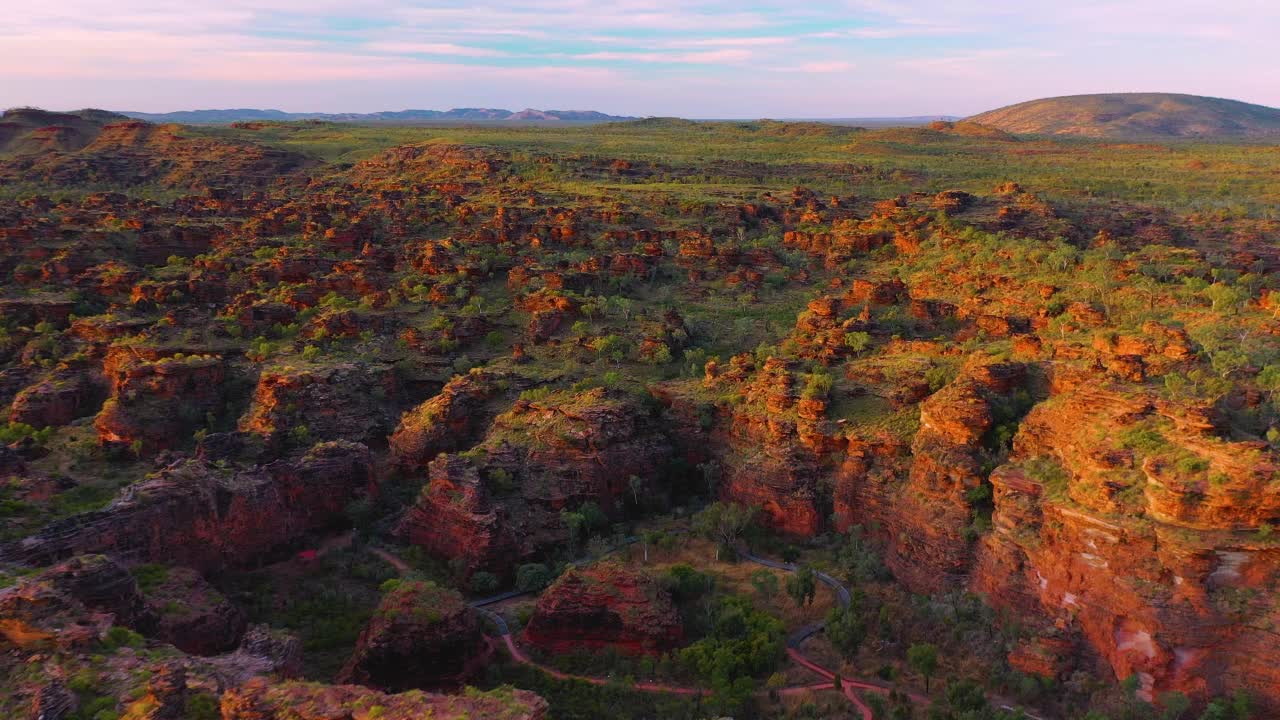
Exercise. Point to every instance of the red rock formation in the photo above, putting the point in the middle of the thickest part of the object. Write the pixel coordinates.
(421, 636)
(157, 398)
(64, 396)
(350, 401)
(928, 548)
(195, 514)
(192, 615)
(455, 518)
(444, 423)
(604, 606)
(1092, 531)
(68, 604)
(537, 459)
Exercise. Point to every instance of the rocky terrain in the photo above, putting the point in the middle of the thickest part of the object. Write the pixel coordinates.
(220, 358)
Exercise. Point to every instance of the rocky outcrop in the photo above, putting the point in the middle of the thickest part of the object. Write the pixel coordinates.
(260, 700)
(64, 396)
(455, 517)
(192, 615)
(421, 636)
(604, 606)
(929, 548)
(768, 446)
(347, 401)
(158, 398)
(208, 518)
(444, 423)
(1127, 520)
(501, 501)
(71, 603)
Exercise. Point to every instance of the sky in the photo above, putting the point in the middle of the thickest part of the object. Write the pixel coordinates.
(689, 58)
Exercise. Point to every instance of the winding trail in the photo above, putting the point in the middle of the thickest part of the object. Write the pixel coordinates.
(849, 687)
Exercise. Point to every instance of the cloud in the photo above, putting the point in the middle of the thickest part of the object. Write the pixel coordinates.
(831, 66)
(988, 63)
(420, 48)
(709, 57)
(651, 55)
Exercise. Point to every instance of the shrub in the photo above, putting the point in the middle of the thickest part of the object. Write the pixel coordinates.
(484, 582)
(202, 706)
(532, 577)
(118, 637)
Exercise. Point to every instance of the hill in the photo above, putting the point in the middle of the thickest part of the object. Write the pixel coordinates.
(33, 129)
(96, 147)
(469, 115)
(1124, 116)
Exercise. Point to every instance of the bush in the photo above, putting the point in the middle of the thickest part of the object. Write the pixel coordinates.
(118, 637)
(202, 706)
(150, 576)
(484, 582)
(532, 577)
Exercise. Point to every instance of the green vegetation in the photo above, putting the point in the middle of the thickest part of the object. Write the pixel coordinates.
(779, 299)
(742, 645)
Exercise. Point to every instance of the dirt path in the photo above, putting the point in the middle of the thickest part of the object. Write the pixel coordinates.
(849, 686)
(401, 566)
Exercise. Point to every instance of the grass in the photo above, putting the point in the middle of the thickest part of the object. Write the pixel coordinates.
(1197, 176)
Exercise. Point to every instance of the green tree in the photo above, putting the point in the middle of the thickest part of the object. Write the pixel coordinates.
(857, 341)
(802, 586)
(846, 629)
(724, 523)
(484, 582)
(1175, 705)
(532, 577)
(923, 658)
(575, 524)
(1226, 297)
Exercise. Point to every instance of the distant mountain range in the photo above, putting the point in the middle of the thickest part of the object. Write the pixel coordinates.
(483, 115)
(1136, 116)
(881, 121)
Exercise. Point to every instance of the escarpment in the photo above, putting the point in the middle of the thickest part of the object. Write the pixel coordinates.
(210, 518)
(1120, 517)
(1112, 518)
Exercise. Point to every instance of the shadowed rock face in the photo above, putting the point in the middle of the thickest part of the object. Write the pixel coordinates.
(503, 501)
(421, 636)
(193, 616)
(67, 604)
(347, 401)
(605, 606)
(455, 517)
(211, 519)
